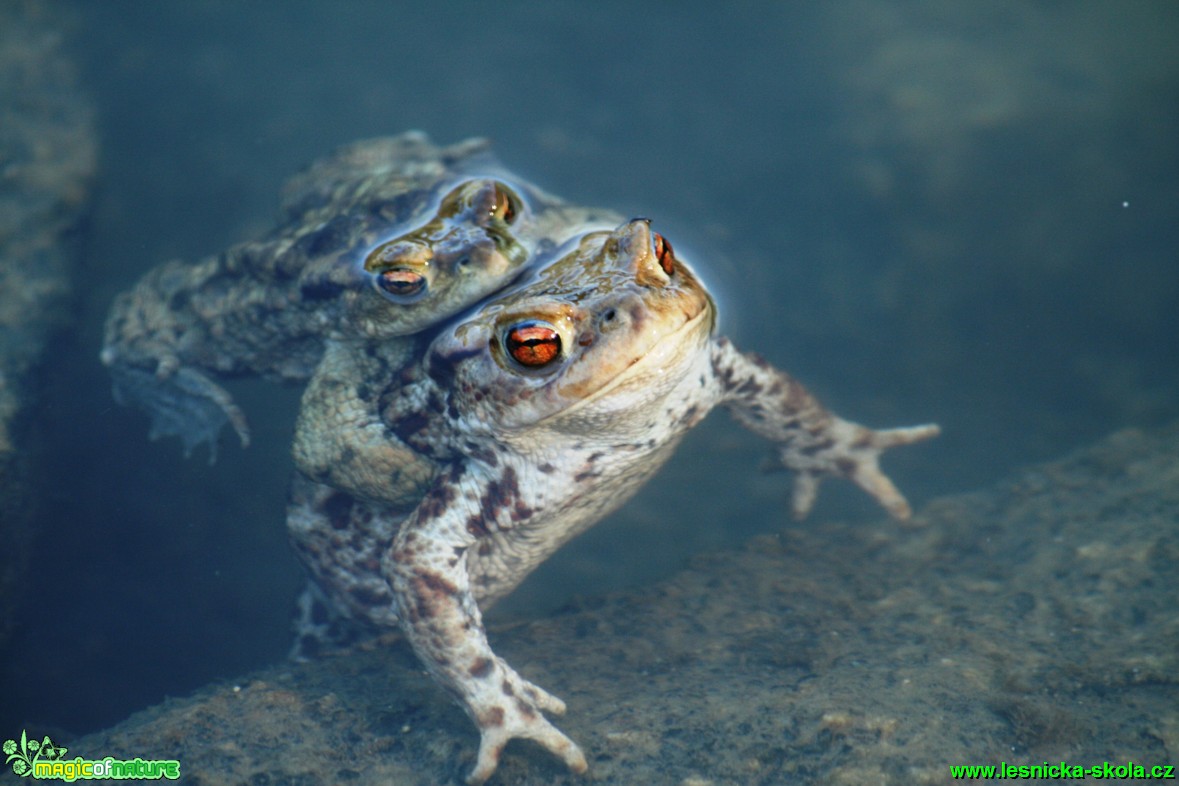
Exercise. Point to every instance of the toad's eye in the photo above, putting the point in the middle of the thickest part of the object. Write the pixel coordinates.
(506, 207)
(665, 254)
(400, 283)
(533, 344)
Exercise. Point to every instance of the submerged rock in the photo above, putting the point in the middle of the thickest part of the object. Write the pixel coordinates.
(1034, 621)
(47, 156)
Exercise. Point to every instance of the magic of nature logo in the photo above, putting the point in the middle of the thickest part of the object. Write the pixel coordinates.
(42, 760)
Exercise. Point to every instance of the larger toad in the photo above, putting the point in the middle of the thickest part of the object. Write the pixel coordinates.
(543, 411)
(380, 240)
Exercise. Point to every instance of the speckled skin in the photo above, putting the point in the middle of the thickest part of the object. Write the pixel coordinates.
(530, 455)
(353, 227)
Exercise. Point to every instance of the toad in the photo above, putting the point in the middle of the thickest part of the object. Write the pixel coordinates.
(532, 418)
(378, 241)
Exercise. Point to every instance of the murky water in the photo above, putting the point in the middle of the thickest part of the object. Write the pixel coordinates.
(967, 214)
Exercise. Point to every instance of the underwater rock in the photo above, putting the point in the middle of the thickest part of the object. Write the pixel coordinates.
(1033, 621)
(47, 157)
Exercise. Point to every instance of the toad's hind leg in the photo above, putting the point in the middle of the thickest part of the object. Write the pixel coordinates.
(340, 540)
(319, 626)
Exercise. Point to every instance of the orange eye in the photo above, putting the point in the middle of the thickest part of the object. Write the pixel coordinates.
(505, 205)
(533, 344)
(399, 282)
(665, 254)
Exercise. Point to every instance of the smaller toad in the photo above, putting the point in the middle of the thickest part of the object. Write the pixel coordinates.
(378, 241)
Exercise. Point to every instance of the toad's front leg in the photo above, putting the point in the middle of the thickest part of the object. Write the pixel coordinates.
(428, 571)
(812, 442)
(340, 440)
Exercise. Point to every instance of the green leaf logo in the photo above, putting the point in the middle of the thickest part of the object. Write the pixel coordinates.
(23, 756)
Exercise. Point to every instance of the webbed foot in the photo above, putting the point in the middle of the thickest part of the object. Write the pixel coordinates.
(516, 712)
(854, 453)
(184, 402)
